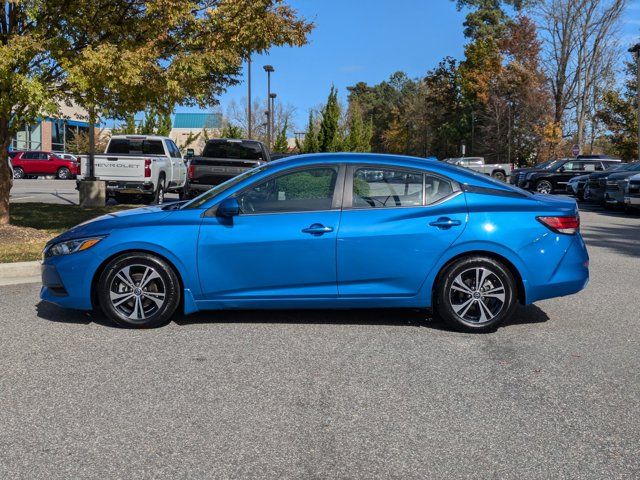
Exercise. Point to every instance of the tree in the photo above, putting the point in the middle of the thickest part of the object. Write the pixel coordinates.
(310, 142)
(330, 135)
(579, 41)
(118, 56)
(281, 144)
(231, 130)
(619, 114)
(359, 132)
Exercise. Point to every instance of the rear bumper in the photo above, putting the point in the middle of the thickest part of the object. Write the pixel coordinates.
(570, 275)
(131, 188)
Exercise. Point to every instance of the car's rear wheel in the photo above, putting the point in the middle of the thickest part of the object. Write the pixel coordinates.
(475, 294)
(18, 173)
(138, 290)
(63, 173)
(544, 186)
(499, 175)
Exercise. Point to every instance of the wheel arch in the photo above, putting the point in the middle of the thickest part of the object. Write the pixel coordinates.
(517, 275)
(103, 265)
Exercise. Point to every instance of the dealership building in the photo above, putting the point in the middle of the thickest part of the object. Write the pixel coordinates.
(52, 134)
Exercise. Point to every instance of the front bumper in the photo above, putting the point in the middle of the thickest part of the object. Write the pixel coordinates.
(66, 280)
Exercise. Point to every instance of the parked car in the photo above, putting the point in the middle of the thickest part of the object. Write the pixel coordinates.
(141, 167)
(319, 231)
(222, 159)
(597, 184)
(615, 187)
(36, 163)
(632, 192)
(557, 175)
(577, 187)
(499, 171)
(518, 174)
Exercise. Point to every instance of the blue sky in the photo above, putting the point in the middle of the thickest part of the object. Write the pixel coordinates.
(366, 40)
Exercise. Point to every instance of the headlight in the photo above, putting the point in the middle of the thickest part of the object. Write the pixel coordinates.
(70, 246)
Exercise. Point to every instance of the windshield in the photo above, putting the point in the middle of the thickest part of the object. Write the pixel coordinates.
(218, 189)
(237, 150)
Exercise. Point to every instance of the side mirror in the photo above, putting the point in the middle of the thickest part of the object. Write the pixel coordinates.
(190, 153)
(229, 207)
(561, 169)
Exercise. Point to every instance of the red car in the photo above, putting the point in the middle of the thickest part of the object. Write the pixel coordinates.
(34, 163)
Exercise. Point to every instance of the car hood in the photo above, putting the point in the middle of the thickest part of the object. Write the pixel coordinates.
(621, 175)
(104, 224)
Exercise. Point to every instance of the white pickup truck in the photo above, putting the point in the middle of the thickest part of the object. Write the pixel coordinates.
(139, 166)
(499, 171)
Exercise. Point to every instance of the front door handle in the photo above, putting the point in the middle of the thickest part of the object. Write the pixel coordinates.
(317, 229)
(445, 223)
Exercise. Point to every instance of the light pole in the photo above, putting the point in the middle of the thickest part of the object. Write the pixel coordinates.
(269, 69)
(249, 119)
(272, 107)
(636, 50)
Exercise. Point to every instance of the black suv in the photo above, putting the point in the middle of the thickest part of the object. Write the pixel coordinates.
(557, 175)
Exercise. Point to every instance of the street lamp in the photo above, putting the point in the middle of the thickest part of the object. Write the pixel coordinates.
(249, 119)
(269, 69)
(636, 50)
(272, 107)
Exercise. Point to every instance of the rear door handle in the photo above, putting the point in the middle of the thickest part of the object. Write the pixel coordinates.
(317, 229)
(445, 222)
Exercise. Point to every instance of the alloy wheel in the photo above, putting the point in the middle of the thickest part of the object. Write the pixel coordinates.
(544, 187)
(477, 295)
(137, 292)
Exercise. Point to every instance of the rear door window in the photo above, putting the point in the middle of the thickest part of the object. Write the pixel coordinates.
(386, 188)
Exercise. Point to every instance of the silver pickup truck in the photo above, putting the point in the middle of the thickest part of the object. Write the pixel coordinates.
(499, 171)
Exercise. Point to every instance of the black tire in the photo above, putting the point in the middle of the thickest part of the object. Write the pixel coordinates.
(183, 193)
(545, 185)
(158, 196)
(18, 173)
(63, 173)
(478, 311)
(132, 305)
(499, 175)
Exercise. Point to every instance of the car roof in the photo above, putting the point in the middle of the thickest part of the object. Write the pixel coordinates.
(461, 174)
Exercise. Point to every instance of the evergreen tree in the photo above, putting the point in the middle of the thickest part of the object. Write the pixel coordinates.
(281, 145)
(330, 136)
(230, 130)
(360, 133)
(310, 142)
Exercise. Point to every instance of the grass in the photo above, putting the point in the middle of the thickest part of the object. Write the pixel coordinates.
(33, 224)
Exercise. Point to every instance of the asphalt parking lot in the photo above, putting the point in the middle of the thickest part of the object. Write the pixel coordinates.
(322, 394)
(50, 191)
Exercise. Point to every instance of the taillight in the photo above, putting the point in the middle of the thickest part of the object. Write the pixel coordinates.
(191, 171)
(568, 225)
(147, 167)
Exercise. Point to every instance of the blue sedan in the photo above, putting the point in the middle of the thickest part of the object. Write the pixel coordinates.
(327, 231)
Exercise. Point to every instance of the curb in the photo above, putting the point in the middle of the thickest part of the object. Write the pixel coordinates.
(19, 272)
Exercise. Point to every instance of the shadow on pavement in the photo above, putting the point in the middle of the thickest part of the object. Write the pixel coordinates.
(394, 317)
(621, 238)
(53, 313)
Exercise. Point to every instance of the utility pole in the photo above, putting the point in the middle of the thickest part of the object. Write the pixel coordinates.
(249, 125)
(272, 106)
(636, 50)
(269, 69)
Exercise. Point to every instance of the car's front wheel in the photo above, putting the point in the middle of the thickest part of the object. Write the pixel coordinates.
(475, 294)
(544, 186)
(138, 290)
